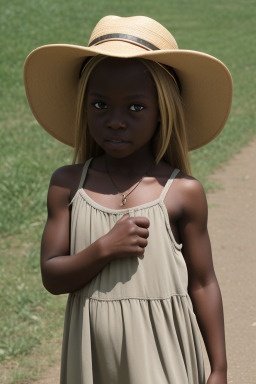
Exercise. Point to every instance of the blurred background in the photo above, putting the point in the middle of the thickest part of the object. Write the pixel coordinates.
(31, 320)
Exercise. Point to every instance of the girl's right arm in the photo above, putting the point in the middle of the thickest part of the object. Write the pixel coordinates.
(65, 273)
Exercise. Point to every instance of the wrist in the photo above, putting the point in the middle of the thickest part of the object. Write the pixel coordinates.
(220, 369)
(103, 249)
(219, 377)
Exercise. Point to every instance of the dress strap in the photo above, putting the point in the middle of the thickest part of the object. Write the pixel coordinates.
(169, 183)
(84, 173)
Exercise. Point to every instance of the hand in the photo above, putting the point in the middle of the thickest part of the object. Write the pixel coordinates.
(128, 238)
(217, 377)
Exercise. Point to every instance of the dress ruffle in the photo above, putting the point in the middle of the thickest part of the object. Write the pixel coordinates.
(131, 341)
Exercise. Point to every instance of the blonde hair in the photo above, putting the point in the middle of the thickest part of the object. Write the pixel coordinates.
(169, 141)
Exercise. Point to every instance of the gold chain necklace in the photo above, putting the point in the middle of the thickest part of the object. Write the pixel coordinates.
(123, 195)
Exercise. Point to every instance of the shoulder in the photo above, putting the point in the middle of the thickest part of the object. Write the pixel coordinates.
(65, 180)
(187, 198)
(189, 187)
(66, 174)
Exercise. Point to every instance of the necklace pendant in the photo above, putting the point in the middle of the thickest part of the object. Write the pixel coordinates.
(124, 199)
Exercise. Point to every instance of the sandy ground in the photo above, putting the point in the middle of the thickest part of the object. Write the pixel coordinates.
(232, 227)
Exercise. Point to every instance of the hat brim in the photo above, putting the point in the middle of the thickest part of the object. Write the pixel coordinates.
(51, 77)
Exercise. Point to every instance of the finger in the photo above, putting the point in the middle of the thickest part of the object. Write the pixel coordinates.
(141, 251)
(141, 221)
(143, 232)
(124, 217)
(142, 243)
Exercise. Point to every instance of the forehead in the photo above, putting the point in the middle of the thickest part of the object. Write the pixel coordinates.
(121, 73)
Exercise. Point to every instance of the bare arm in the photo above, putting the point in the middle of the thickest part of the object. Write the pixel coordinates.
(64, 273)
(203, 286)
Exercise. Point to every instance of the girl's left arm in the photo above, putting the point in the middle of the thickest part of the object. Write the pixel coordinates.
(203, 287)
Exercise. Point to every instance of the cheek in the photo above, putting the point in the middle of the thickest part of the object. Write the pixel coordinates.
(153, 122)
(94, 131)
(93, 120)
(93, 127)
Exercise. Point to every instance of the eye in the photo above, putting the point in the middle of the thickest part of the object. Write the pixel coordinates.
(100, 105)
(136, 107)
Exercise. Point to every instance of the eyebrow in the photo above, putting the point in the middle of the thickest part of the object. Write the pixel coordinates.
(137, 96)
(97, 95)
(129, 97)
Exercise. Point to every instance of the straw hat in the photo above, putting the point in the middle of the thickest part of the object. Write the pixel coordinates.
(51, 76)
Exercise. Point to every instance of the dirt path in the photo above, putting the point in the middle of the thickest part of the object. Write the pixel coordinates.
(232, 226)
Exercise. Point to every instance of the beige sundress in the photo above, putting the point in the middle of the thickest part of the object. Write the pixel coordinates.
(133, 323)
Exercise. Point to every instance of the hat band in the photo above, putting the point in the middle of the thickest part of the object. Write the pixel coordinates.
(124, 37)
(136, 41)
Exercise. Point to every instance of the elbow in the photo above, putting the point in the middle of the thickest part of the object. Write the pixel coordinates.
(208, 289)
(57, 286)
(52, 288)
(52, 279)
(52, 284)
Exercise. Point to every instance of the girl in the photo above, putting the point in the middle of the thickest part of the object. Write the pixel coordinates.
(126, 234)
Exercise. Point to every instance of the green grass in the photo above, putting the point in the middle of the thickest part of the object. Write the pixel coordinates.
(30, 318)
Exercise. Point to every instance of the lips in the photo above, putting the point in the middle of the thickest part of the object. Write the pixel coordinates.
(116, 140)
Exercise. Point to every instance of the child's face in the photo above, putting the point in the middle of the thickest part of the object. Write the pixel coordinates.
(122, 107)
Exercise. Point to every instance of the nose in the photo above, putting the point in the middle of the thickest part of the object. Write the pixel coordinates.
(116, 121)
(116, 124)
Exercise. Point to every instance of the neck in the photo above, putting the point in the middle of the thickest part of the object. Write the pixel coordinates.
(135, 164)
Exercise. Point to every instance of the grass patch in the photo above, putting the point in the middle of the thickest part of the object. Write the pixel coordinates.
(30, 318)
